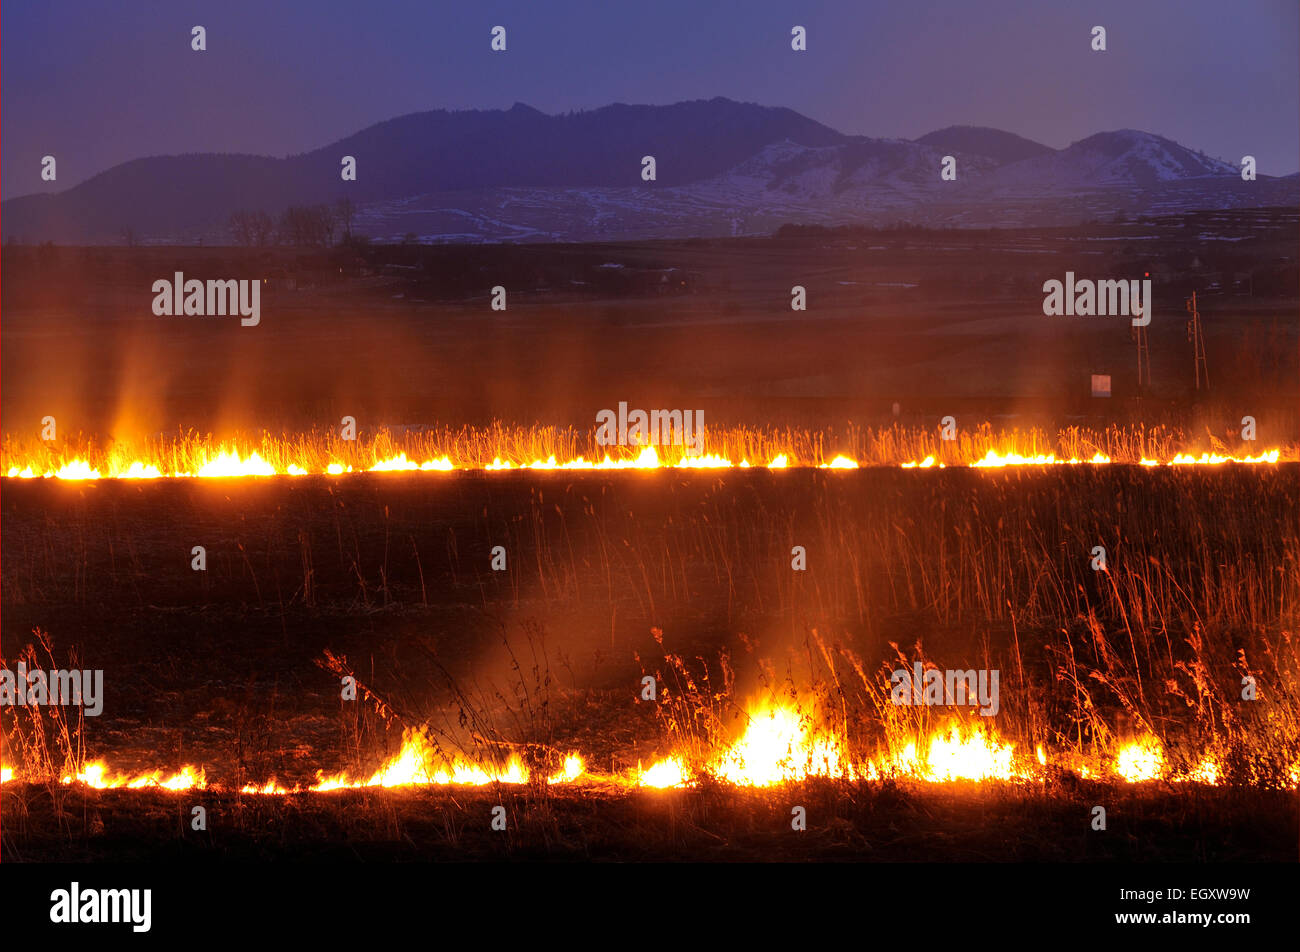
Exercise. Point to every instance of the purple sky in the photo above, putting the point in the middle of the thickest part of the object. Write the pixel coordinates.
(97, 83)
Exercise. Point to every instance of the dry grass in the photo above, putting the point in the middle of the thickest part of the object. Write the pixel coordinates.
(479, 447)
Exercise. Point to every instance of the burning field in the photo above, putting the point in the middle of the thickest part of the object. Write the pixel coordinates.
(493, 469)
(1016, 645)
(498, 448)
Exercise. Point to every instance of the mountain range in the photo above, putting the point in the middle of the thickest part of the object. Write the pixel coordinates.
(722, 168)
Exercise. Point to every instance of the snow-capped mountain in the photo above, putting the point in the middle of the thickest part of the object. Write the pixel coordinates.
(722, 168)
(1125, 158)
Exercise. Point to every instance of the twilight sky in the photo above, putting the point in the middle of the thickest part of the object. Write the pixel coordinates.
(96, 84)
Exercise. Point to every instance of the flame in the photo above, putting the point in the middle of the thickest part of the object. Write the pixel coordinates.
(1140, 760)
(707, 461)
(574, 767)
(1012, 459)
(77, 469)
(398, 462)
(666, 773)
(269, 788)
(1207, 771)
(993, 460)
(840, 462)
(955, 752)
(924, 464)
(139, 470)
(469, 448)
(778, 746)
(971, 755)
(228, 463)
(97, 775)
(1215, 459)
(419, 763)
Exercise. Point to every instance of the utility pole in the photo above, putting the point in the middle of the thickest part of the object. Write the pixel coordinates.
(1198, 344)
(1144, 355)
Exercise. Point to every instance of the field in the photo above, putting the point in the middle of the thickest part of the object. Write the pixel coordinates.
(939, 322)
(686, 577)
(766, 609)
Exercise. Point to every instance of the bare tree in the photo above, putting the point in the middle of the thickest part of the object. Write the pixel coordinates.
(263, 228)
(241, 228)
(252, 229)
(345, 212)
(307, 226)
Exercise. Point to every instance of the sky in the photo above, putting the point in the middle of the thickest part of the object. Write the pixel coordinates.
(97, 84)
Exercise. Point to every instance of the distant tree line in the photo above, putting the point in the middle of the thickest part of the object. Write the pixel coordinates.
(893, 228)
(299, 226)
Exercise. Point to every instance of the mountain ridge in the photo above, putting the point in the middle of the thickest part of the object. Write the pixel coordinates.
(732, 160)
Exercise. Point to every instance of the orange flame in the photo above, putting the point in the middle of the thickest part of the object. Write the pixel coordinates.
(294, 459)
